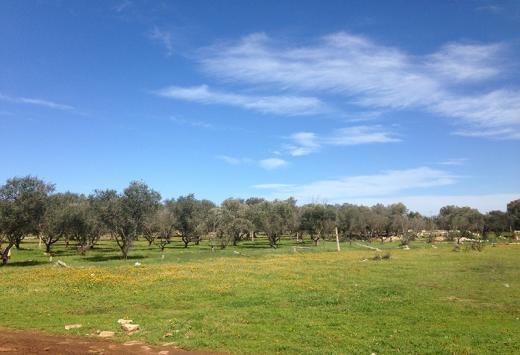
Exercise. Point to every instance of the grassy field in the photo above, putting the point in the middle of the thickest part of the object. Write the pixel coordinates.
(252, 299)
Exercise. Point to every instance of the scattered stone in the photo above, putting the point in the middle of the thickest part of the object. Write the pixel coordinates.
(7, 350)
(137, 264)
(506, 285)
(127, 327)
(60, 263)
(406, 247)
(125, 321)
(133, 342)
(169, 344)
(146, 348)
(166, 335)
(434, 246)
(72, 326)
(236, 252)
(164, 352)
(106, 334)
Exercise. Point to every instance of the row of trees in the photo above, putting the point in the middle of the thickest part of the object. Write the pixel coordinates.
(30, 206)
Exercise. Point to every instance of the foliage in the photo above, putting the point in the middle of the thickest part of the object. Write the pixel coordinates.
(28, 206)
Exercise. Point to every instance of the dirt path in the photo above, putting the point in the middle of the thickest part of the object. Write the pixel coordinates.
(24, 342)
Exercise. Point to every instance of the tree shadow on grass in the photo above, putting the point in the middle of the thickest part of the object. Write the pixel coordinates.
(101, 258)
(26, 263)
(254, 246)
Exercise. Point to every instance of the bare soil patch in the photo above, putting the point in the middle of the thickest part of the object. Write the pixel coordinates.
(31, 342)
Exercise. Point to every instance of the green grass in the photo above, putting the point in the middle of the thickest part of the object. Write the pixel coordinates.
(253, 299)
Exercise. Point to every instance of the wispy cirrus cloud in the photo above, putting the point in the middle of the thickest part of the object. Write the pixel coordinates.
(120, 7)
(304, 143)
(466, 62)
(165, 38)
(193, 123)
(365, 186)
(454, 161)
(266, 164)
(280, 105)
(272, 163)
(375, 76)
(36, 102)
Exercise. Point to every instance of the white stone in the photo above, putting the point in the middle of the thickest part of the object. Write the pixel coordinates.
(130, 327)
(106, 334)
(72, 326)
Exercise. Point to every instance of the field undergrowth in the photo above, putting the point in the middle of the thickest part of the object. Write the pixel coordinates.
(295, 299)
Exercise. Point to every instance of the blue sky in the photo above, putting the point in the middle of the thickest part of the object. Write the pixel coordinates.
(336, 101)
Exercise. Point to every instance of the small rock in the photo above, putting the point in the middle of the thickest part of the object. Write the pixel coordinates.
(406, 247)
(133, 342)
(146, 348)
(130, 327)
(164, 352)
(434, 246)
(506, 285)
(7, 350)
(125, 321)
(60, 263)
(106, 334)
(166, 335)
(72, 326)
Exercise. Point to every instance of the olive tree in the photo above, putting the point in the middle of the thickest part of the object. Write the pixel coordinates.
(56, 221)
(318, 220)
(160, 226)
(186, 210)
(462, 221)
(234, 221)
(272, 217)
(125, 215)
(513, 210)
(22, 205)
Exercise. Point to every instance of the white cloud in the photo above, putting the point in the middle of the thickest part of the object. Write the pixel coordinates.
(454, 161)
(281, 105)
(122, 6)
(267, 164)
(304, 143)
(272, 163)
(375, 76)
(466, 62)
(495, 114)
(232, 160)
(366, 186)
(163, 37)
(37, 102)
(193, 123)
